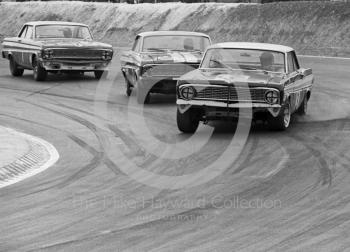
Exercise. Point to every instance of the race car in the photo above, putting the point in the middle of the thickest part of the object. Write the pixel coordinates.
(52, 46)
(234, 76)
(158, 58)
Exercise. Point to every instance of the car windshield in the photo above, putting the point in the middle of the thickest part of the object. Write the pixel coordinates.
(63, 31)
(175, 42)
(245, 59)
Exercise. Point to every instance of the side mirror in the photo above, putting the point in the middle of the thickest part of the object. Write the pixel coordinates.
(305, 72)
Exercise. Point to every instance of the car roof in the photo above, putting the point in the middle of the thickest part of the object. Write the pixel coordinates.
(254, 46)
(53, 23)
(178, 33)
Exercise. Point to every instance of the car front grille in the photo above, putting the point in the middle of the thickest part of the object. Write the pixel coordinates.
(168, 70)
(77, 54)
(230, 93)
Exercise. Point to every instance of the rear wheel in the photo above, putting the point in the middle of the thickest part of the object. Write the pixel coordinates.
(282, 121)
(39, 72)
(187, 121)
(14, 68)
(303, 107)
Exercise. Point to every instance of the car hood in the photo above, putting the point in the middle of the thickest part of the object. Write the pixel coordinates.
(227, 77)
(168, 57)
(74, 43)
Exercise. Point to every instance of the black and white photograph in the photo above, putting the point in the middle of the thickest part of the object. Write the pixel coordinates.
(175, 126)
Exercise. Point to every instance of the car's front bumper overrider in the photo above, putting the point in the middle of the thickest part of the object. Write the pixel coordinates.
(84, 65)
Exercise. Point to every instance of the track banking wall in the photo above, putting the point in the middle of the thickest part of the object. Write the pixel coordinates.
(317, 28)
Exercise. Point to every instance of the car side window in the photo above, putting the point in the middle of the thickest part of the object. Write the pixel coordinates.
(29, 33)
(291, 68)
(295, 61)
(23, 32)
(136, 46)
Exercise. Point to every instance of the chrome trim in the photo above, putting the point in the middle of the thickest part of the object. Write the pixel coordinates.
(226, 105)
(263, 100)
(171, 65)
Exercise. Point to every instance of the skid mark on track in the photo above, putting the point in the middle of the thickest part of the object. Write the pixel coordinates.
(247, 160)
(312, 231)
(326, 173)
(42, 91)
(94, 163)
(98, 156)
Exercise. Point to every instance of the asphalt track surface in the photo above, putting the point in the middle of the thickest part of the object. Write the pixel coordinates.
(85, 202)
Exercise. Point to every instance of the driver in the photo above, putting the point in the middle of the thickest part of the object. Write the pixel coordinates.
(188, 44)
(267, 61)
(215, 60)
(67, 33)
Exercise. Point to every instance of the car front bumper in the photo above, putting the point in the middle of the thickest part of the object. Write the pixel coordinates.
(59, 65)
(226, 105)
(166, 85)
(273, 109)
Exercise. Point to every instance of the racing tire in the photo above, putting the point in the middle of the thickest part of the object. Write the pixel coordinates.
(128, 88)
(188, 121)
(99, 74)
(39, 73)
(14, 68)
(302, 110)
(282, 121)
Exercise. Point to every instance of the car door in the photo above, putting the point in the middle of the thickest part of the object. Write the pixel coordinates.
(296, 81)
(301, 83)
(131, 60)
(27, 43)
(18, 48)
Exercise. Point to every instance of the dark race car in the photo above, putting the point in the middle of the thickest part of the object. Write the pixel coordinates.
(158, 58)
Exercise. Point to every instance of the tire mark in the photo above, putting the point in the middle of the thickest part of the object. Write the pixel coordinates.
(326, 173)
(247, 160)
(312, 231)
(98, 156)
(43, 90)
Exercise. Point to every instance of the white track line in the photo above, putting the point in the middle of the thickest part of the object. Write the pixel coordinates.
(52, 159)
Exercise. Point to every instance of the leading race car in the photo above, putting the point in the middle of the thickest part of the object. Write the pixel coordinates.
(50, 46)
(234, 76)
(158, 58)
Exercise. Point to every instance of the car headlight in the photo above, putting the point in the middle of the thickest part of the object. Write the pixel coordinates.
(47, 53)
(272, 96)
(187, 92)
(107, 54)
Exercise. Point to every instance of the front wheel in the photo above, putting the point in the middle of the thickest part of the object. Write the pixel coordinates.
(14, 68)
(128, 88)
(99, 74)
(187, 121)
(303, 107)
(282, 121)
(39, 72)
